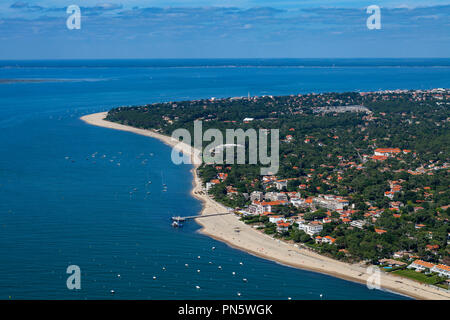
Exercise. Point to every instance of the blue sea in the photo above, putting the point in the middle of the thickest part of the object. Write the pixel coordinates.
(74, 194)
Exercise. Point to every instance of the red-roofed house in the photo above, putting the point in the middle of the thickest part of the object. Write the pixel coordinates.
(420, 265)
(328, 239)
(442, 269)
(276, 219)
(387, 152)
(431, 247)
(282, 226)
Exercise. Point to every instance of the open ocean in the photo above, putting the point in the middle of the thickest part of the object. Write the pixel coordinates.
(64, 198)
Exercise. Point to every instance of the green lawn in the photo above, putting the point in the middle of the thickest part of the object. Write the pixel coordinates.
(418, 276)
(443, 286)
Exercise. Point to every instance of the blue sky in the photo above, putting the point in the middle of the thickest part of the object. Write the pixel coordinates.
(223, 29)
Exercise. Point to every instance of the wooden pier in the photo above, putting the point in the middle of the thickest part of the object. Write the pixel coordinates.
(182, 219)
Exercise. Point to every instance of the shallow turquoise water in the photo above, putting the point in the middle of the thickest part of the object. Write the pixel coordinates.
(65, 200)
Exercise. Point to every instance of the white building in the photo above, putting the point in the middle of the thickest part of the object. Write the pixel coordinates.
(442, 269)
(209, 185)
(257, 196)
(389, 194)
(256, 209)
(328, 239)
(420, 265)
(275, 196)
(313, 228)
(280, 184)
(310, 228)
(358, 223)
(298, 202)
(331, 202)
(276, 219)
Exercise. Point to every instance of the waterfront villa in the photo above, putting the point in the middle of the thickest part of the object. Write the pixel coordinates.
(420, 265)
(326, 239)
(283, 226)
(311, 228)
(442, 269)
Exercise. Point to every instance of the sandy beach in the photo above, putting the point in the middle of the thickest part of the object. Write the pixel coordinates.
(224, 228)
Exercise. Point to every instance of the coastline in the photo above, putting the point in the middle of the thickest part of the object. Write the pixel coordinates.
(223, 228)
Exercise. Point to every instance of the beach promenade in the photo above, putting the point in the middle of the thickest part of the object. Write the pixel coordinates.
(229, 229)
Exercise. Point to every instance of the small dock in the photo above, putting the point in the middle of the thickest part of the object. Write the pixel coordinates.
(182, 219)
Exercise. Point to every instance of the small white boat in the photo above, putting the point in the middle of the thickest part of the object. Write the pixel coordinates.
(177, 224)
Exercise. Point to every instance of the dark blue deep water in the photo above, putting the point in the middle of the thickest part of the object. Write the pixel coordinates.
(65, 200)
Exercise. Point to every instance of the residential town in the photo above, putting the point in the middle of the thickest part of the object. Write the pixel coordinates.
(363, 176)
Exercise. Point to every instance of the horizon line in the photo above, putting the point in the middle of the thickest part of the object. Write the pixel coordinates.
(231, 58)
